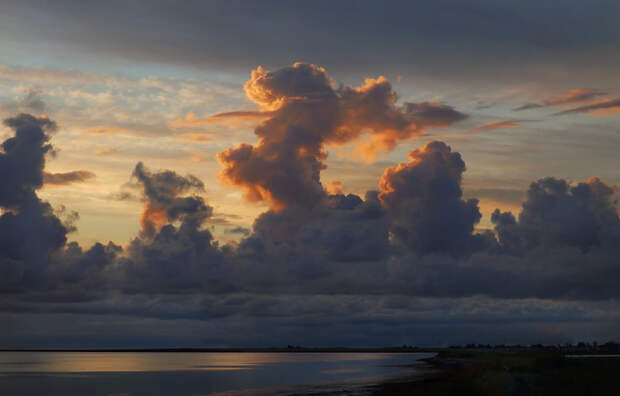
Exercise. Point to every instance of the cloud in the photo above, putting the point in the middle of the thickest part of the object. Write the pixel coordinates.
(578, 95)
(504, 195)
(481, 128)
(424, 200)
(106, 131)
(603, 107)
(528, 106)
(164, 203)
(29, 229)
(33, 101)
(316, 249)
(415, 236)
(496, 125)
(284, 167)
(60, 179)
(504, 41)
(233, 117)
(557, 214)
(106, 151)
(196, 137)
(574, 96)
(23, 160)
(334, 188)
(238, 230)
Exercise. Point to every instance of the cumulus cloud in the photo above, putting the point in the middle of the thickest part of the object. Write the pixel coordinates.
(424, 199)
(334, 187)
(308, 113)
(173, 253)
(414, 236)
(163, 201)
(60, 179)
(558, 214)
(29, 229)
(23, 160)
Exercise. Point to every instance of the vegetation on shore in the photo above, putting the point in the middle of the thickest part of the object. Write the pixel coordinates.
(529, 372)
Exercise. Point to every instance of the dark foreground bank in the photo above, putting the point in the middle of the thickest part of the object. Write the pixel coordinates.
(475, 372)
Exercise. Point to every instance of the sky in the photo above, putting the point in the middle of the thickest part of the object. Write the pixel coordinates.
(323, 173)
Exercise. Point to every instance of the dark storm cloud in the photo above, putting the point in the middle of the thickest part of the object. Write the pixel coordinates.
(424, 199)
(23, 159)
(137, 321)
(446, 37)
(29, 229)
(169, 257)
(164, 203)
(558, 214)
(59, 179)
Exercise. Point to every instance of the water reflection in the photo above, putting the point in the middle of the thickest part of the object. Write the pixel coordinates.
(86, 362)
(181, 374)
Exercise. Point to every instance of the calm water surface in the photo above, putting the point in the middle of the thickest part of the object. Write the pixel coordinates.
(180, 374)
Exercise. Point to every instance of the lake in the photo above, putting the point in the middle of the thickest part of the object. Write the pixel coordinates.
(197, 373)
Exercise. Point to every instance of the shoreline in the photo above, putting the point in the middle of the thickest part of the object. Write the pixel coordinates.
(231, 350)
(476, 372)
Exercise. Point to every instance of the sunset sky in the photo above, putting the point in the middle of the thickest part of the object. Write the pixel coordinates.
(271, 173)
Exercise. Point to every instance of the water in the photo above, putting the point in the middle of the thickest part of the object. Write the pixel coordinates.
(181, 374)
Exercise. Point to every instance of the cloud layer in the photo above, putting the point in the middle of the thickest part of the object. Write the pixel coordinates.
(317, 252)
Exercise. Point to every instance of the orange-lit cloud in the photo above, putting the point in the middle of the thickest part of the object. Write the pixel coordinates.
(424, 199)
(602, 107)
(112, 130)
(196, 137)
(153, 216)
(573, 96)
(333, 187)
(306, 113)
(489, 126)
(61, 179)
(496, 125)
(165, 201)
(106, 151)
(232, 117)
(578, 95)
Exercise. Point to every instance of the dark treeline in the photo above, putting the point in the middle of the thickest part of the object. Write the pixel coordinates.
(610, 347)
